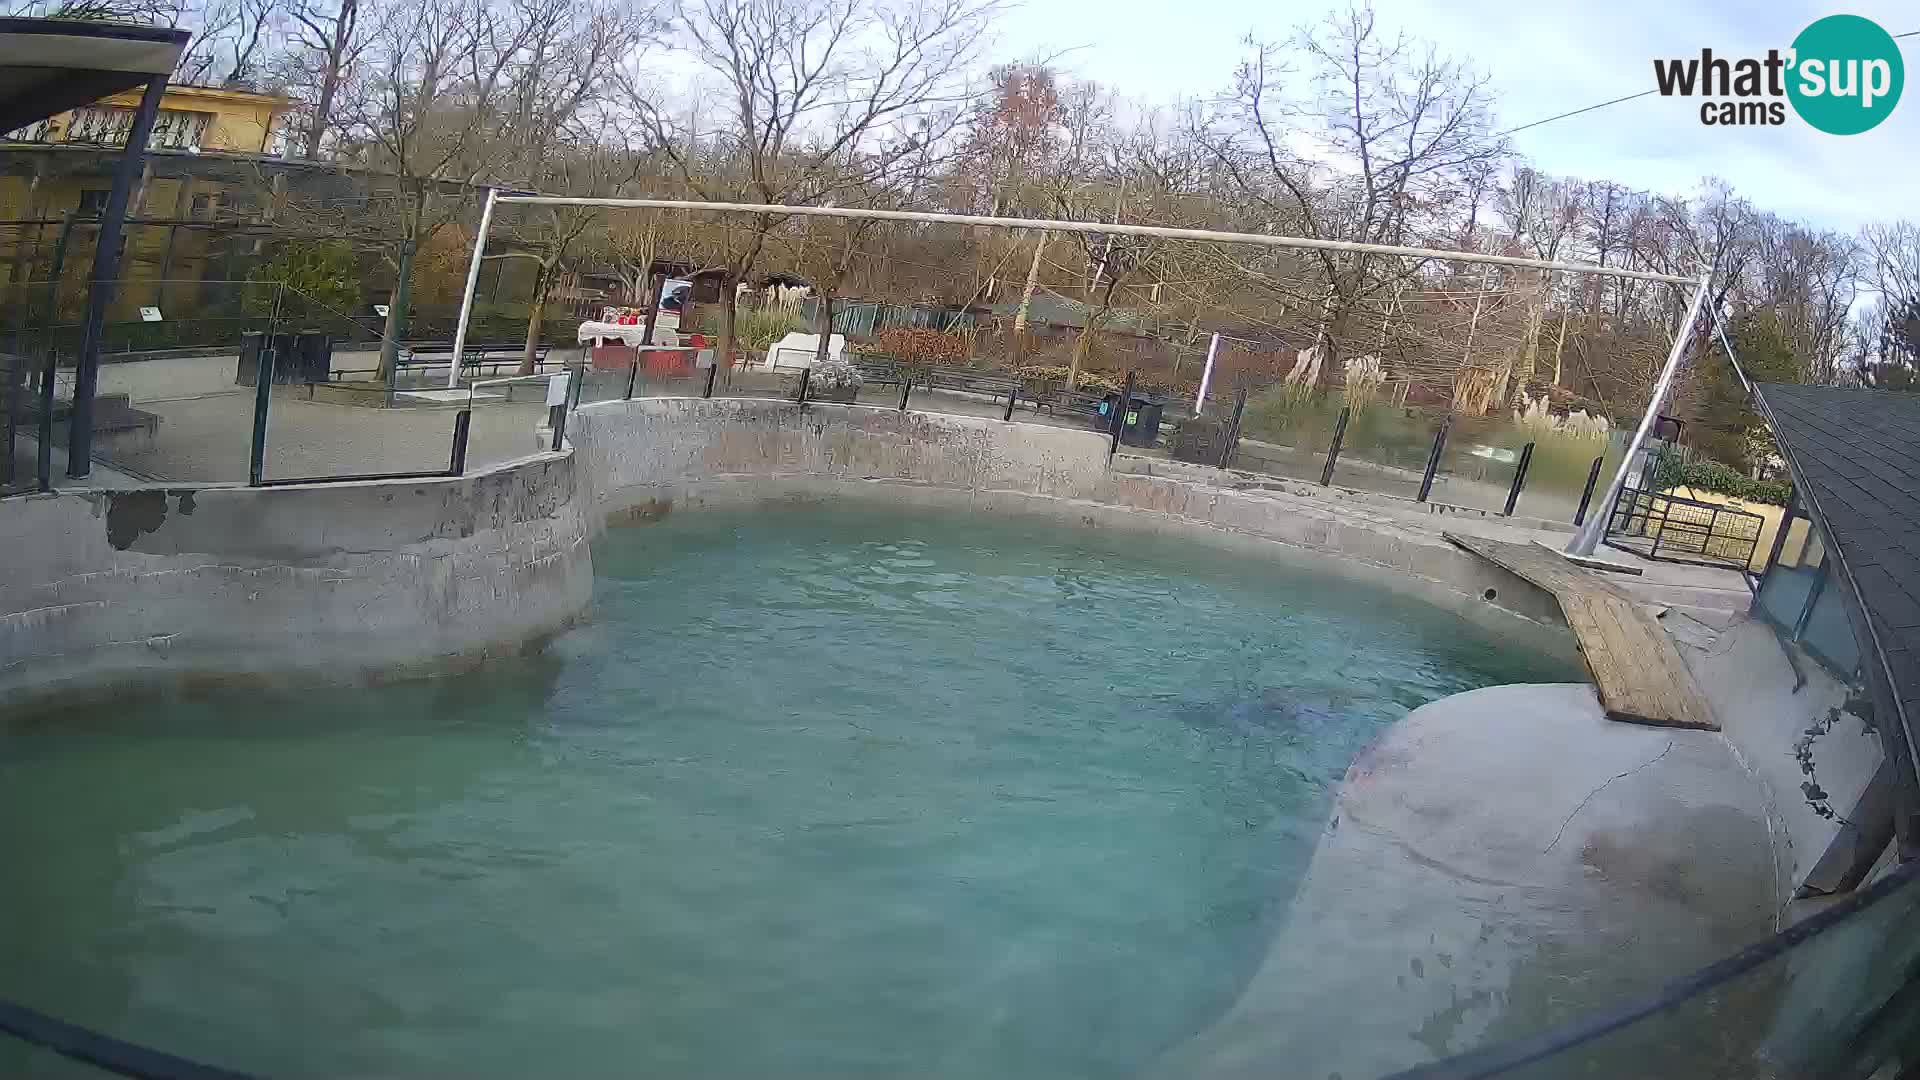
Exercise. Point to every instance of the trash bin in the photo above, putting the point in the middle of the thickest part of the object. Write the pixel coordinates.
(312, 356)
(1142, 427)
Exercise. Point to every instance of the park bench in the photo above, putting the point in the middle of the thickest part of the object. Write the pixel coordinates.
(491, 356)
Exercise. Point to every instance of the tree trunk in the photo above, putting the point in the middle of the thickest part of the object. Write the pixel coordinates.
(1333, 324)
(330, 79)
(659, 282)
(1079, 355)
(823, 326)
(1026, 295)
(536, 312)
(1559, 344)
(397, 314)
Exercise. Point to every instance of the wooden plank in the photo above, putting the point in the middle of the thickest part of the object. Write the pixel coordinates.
(1637, 671)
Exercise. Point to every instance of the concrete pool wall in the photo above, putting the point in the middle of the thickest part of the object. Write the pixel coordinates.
(648, 456)
(331, 582)
(353, 581)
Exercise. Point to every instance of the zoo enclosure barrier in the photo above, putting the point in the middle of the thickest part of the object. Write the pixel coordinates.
(244, 382)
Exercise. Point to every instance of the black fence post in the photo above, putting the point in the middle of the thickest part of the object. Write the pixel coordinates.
(713, 372)
(633, 374)
(557, 420)
(1120, 417)
(906, 387)
(806, 376)
(462, 421)
(1519, 478)
(44, 465)
(1011, 395)
(1231, 437)
(1433, 458)
(262, 401)
(1586, 496)
(1333, 448)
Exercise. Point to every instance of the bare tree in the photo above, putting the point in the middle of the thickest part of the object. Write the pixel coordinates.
(231, 41)
(817, 95)
(1401, 127)
(327, 40)
(415, 110)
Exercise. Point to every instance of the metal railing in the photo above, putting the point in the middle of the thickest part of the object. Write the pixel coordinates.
(1670, 528)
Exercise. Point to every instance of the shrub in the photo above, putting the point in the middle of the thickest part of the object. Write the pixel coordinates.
(1672, 471)
(1097, 381)
(918, 346)
(836, 375)
(754, 329)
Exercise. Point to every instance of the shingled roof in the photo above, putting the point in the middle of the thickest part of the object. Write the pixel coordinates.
(1855, 459)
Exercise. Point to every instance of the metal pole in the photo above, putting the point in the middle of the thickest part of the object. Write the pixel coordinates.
(1232, 434)
(1588, 538)
(1011, 395)
(1433, 458)
(48, 375)
(462, 423)
(557, 420)
(1519, 478)
(1586, 496)
(906, 387)
(1096, 228)
(806, 374)
(1333, 448)
(713, 370)
(106, 271)
(262, 402)
(633, 373)
(1206, 375)
(473, 281)
(1120, 416)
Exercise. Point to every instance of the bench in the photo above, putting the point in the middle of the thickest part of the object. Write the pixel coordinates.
(491, 355)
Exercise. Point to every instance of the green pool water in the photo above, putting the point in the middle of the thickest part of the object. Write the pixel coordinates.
(816, 793)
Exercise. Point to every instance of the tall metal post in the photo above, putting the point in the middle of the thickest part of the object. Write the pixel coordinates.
(1333, 448)
(1586, 494)
(106, 273)
(1012, 395)
(1433, 458)
(1120, 416)
(43, 468)
(1588, 538)
(473, 281)
(1231, 436)
(906, 388)
(1519, 478)
(262, 404)
(1206, 375)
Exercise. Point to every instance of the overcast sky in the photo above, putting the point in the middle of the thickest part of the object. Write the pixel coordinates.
(1546, 57)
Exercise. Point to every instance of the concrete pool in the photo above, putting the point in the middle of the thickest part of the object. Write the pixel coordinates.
(1517, 802)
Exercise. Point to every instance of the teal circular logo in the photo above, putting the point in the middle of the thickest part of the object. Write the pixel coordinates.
(1846, 74)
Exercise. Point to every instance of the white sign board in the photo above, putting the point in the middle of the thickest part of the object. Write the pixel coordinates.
(381, 310)
(149, 314)
(557, 389)
(703, 358)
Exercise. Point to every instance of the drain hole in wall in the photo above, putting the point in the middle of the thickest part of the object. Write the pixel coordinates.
(1489, 594)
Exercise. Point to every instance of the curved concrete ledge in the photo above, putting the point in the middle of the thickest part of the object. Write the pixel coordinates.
(329, 582)
(648, 456)
(1499, 861)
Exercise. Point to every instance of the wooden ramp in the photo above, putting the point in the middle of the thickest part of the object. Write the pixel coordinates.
(1635, 666)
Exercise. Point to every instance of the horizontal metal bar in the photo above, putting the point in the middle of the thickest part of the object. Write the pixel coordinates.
(436, 474)
(1099, 228)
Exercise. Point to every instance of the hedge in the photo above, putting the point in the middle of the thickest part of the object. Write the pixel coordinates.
(1671, 472)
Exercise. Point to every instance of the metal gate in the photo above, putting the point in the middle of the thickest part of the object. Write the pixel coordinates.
(1658, 525)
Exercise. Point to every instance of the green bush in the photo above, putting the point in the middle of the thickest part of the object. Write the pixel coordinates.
(1672, 471)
